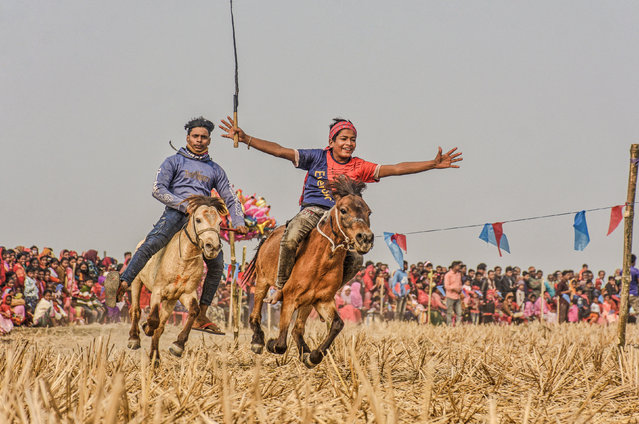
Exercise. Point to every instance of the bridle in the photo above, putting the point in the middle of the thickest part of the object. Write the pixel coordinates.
(347, 244)
(197, 234)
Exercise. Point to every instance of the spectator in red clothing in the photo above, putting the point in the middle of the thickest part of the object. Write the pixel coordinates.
(453, 287)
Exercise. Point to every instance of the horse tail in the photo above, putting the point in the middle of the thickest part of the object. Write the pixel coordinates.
(249, 274)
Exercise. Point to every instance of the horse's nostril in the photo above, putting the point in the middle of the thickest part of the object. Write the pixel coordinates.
(208, 246)
(364, 238)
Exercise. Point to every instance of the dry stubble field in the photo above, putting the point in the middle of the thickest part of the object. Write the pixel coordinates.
(388, 373)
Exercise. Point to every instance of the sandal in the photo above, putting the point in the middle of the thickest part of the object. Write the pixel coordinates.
(210, 328)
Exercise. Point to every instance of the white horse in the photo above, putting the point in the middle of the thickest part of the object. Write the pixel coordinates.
(175, 272)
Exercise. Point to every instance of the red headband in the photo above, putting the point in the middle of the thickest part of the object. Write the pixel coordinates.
(343, 125)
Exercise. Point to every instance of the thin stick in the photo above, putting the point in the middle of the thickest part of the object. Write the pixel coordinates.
(236, 139)
(627, 245)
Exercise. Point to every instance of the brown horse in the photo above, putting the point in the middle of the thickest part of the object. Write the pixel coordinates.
(175, 272)
(318, 272)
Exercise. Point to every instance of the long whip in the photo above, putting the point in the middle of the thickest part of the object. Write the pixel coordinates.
(236, 139)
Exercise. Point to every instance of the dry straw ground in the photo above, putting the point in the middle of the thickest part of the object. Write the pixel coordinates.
(391, 373)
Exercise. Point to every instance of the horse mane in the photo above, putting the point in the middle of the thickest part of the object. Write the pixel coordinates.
(343, 186)
(195, 201)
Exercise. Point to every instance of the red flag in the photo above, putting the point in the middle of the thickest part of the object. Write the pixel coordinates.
(615, 218)
(498, 233)
(400, 239)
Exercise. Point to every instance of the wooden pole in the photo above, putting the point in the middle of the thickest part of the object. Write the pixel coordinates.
(233, 264)
(381, 301)
(430, 293)
(541, 302)
(627, 245)
(237, 290)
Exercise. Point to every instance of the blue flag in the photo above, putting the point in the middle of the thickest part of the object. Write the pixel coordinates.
(488, 235)
(581, 231)
(394, 248)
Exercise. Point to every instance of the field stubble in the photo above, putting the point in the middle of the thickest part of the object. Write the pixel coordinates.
(385, 373)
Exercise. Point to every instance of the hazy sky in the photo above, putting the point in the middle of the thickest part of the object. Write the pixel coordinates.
(540, 96)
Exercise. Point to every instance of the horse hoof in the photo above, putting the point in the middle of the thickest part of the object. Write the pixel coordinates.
(147, 329)
(306, 360)
(272, 347)
(257, 348)
(176, 350)
(315, 357)
(133, 344)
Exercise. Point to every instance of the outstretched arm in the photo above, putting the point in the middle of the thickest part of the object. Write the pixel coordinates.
(265, 146)
(441, 161)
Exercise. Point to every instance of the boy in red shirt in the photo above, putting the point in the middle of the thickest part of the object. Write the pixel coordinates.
(322, 166)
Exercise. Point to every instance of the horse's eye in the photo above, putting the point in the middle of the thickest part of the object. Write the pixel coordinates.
(198, 220)
(343, 211)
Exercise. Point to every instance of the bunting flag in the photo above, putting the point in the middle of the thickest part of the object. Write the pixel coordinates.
(400, 239)
(391, 241)
(581, 231)
(494, 234)
(615, 218)
(227, 269)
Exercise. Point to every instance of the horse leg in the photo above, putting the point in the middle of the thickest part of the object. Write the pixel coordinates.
(279, 345)
(327, 311)
(298, 330)
(177, 348)
(255, 321)
(153, 321)
(134, 313)
(165, 313)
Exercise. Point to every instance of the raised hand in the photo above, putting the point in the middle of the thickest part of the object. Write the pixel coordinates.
(228, 126)
(448, 159)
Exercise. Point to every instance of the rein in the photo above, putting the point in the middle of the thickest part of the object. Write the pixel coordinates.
(346, 244)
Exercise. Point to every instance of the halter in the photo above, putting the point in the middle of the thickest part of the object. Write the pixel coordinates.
(347, 244)
(197, 236)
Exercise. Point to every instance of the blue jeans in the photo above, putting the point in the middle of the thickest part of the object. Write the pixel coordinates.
(163, 231)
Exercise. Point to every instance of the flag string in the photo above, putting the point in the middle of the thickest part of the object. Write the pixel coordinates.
(460, 227)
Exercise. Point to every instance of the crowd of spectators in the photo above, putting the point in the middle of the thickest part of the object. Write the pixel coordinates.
(40, 289)
(482, 295)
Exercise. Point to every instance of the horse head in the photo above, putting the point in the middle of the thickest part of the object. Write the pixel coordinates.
(351, 213)
(205, 217)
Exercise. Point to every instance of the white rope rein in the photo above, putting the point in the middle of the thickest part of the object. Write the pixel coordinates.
(347, 241)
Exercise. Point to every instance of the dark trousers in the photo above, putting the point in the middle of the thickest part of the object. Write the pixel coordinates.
(163, 231)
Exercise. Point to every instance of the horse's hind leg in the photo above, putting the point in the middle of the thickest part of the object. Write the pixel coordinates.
(255, 321)
(279, 345)
(165, 313)
(327, 311)
(298, 330)
(177, 348)
(134, 313)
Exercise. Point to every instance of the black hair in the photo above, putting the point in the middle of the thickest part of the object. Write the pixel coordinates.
(633, 258)
(481, 266)
(335, 122)
(32, 269)
(46, 291)
(200, 121)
